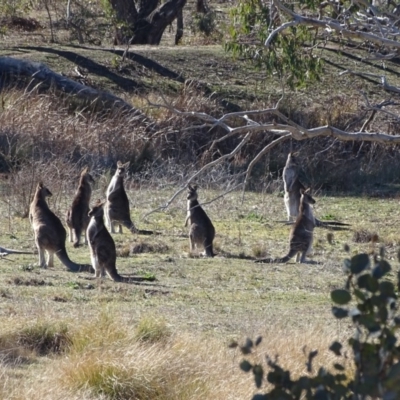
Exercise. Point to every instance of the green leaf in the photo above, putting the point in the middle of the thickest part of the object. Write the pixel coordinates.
(381, 269)
(339, 313)
(383, 314)
(386, 288)
(336, 347)
(369, 322)
(260, 397)
(339, 367)
(245, 366)
(258, 374)
(359, 294)
(359, 263)
(393, 376)
(340, 296)
(366, 281)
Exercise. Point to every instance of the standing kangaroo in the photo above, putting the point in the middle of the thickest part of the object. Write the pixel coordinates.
(293, 188)
(50, 235)
(77, 218)
(117, 206)
(202, 231)
(102, 247)
(301, 235)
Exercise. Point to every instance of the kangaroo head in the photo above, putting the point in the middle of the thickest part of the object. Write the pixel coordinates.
(292, 159)
(122, 168)
(97, 209)
(192, 192)
(44, 192)
(306, 197)
(86, 175)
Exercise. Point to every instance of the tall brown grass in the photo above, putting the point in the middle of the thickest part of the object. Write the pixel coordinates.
(45, 133)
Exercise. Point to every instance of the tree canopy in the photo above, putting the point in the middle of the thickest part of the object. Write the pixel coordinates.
(287, 38)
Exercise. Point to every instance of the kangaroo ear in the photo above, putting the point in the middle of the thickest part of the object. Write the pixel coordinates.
(119, 164)
(195, 187)
(302, 191)
(85, 171)
(308, 191)
(190, 187)
(126, 165)
(40, 185)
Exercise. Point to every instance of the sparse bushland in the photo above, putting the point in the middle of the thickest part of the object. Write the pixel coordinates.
(38, 129)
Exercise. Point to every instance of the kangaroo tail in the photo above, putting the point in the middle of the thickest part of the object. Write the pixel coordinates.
(71, 266)
(130, 225)
(116, 277)
(335, 225)
(6, 252)
(144, 232)
(285, 259)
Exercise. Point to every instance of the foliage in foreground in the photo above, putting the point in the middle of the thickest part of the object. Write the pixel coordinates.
(369, 300)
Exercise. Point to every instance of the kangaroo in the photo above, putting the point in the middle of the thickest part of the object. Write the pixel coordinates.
(117, 206)
(202, 231)
(102, 247)
(301, 235)
(50, 235)
(77, 217)
(293, 188)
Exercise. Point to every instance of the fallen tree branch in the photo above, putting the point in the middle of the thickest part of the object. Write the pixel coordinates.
(38, 74)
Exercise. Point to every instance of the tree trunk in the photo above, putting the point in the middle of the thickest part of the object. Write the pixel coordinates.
(179, 27)
(145, 22)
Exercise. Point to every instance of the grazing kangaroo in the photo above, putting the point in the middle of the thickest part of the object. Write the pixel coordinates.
(77, 218)
(50, 235)
(117, 206)
(202, 231)
(293, 188)
(301, 235)
(102, 247)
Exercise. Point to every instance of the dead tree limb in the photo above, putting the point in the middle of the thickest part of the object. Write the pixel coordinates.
(37, 74)
(285, 129)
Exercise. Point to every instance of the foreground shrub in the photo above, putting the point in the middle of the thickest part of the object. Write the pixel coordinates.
(42, 338)
(369, 300)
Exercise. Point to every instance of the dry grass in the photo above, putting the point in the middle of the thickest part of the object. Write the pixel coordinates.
(169, 338)
(107, 360)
